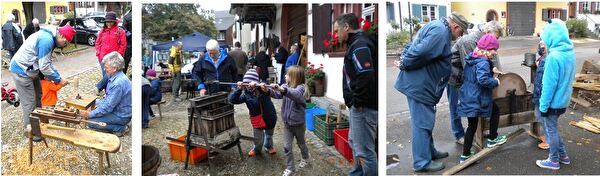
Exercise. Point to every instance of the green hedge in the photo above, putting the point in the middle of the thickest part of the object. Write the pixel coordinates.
(397, 40)
(578, 27)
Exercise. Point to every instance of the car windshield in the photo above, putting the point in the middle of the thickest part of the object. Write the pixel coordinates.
(90, 23)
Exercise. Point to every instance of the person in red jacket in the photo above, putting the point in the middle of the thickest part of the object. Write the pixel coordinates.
(110, 38)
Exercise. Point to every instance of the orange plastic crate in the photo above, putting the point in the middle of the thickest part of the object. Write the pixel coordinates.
(177, 150)
(340, 139)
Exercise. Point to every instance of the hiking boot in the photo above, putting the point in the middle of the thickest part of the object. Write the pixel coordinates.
(547, 164)
(500, 139)
(432, 167)
(439, 155)
(543, 145)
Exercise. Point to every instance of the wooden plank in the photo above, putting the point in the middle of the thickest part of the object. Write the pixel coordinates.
(582, 77)
(585, 125)
(587, 86)
(82, 137)
(481, 154)
(523, 103)
(84, 103)
(581, 102)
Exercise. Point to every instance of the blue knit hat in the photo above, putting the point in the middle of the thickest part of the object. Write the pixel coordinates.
(250, 76)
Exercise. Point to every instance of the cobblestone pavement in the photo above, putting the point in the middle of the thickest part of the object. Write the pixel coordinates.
(59, 157)
(325, 160)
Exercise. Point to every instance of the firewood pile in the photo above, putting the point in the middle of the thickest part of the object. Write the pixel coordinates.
(588, 123)
(586, 87)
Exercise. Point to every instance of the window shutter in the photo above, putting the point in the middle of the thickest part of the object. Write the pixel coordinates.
(563, 14)
(416, 11)
(390, 12)
(441, 12)
(321, 24)
(544, 14)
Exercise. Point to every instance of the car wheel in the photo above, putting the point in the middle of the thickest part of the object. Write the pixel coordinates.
(91, 40)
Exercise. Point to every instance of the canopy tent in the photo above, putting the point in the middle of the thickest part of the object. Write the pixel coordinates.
(194, 42)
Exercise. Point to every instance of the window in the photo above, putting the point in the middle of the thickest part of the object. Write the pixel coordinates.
(586, 7)
(428, 12)
(221, 36)
(390, 12)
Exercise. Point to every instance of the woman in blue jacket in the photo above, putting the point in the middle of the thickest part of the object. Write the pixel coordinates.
(476, 93)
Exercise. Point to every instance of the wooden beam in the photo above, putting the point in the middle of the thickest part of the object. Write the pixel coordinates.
(581, 102)
(481, 154)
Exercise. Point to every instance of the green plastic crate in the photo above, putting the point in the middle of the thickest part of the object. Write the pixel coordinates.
(324, 130)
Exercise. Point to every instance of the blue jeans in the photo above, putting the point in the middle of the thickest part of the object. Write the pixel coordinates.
(113, 123)
(423, 120)
(362, 135)
(263, 137)
(104, 81)
(557, 147)
(457, 128)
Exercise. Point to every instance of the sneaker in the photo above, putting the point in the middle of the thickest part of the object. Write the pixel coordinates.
(251, 152)
(547, 164)
(500, 139)
(303, 163)
(271, 151)
(288, 172)
(564, 160)
(122, 132)
(543, 146)
(463, 157)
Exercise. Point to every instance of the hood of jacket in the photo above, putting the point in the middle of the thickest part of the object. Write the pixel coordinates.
(556, 36)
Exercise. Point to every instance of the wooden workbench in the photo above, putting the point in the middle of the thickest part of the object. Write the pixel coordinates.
(102, 143)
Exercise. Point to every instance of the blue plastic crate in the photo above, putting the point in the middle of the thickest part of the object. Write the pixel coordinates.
(310, 124)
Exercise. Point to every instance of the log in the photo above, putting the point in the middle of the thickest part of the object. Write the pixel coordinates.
(587, 86)
(586, 126)
(582, 77)
(581, 102)
(481, 154)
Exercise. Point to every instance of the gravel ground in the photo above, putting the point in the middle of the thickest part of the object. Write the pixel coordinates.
(59, 158)
(325, 160)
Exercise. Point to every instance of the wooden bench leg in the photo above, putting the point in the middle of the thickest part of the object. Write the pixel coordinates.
(100, 163)
(107, 160)
(30, 147)
(159, 111)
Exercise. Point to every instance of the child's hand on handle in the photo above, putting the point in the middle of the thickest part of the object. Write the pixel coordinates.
(263, 87)
(240, 86)
(498, 80)
(202, 92)
(252, 84)
(275, 86)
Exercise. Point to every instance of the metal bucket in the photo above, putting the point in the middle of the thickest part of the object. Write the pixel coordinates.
(529, 59)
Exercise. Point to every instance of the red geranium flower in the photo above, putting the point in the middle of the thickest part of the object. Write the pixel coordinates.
(311, 71)
(366, 26)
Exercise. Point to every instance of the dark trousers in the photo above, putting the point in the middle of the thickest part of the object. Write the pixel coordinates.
(146, 93)
(470, 134)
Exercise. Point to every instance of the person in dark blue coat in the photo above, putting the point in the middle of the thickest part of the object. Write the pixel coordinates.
(537, 92)
(155, 84)
(476, 93)
(258, 103)
(424, 72)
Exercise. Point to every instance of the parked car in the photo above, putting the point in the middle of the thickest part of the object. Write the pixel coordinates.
(98, 18)
(86, 29)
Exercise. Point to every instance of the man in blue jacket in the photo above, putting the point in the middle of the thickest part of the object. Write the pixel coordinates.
(559, 73)
(424, 71)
